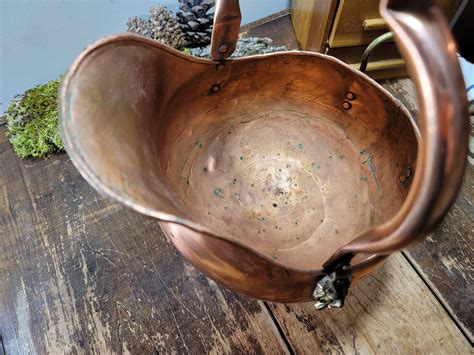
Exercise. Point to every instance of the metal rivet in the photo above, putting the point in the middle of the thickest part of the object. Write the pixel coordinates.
(215, 88)
(408, 172)
(403, 179)
(350, 95)
(223, 48)
(346, 105)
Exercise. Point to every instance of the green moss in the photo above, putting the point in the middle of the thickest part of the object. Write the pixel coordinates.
(32, 122)
(186, 51)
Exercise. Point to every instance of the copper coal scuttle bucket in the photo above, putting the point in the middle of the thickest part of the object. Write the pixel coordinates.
(286, 177)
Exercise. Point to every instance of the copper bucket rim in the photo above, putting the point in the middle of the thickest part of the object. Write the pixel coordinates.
(94, 180)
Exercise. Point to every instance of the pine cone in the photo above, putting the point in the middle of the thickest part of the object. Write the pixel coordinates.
(195, 19)
(164, 27)
(139, 26)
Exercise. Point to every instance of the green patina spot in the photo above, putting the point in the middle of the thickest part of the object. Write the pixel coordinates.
(241, 158)
(219, 192)
(372, 218)
(301, 146)
(199, 144)
(261, 218)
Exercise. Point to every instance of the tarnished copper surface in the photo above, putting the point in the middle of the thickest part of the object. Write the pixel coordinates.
(260, 169)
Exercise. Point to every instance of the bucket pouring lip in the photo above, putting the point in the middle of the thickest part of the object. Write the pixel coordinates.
(74, 151)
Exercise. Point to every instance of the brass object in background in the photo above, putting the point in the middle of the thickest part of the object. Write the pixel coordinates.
(344, 28)
(371, 47)
(276, 173)
(374, 24)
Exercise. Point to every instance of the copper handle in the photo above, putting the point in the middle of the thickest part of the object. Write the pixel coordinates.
(424, 39)
(225, 31)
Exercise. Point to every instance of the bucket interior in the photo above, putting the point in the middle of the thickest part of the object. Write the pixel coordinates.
(292, 155)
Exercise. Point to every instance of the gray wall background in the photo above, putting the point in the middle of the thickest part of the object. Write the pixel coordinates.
(40, 38)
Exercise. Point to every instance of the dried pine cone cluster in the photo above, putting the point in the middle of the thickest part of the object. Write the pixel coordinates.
(139, 26)
(196, 19)
(162, 26)
(192, 26)
(192, 29)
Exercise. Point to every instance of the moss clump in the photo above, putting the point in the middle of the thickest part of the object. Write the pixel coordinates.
(32, 122)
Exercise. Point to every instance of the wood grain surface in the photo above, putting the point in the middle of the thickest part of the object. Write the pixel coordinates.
(276, 27)
(312, 21)
(445, 259)
(80, 274)
(390, 312)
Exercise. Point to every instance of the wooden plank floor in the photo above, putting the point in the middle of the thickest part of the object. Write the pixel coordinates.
(81, 274)
(445, 260)
(391, 312)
